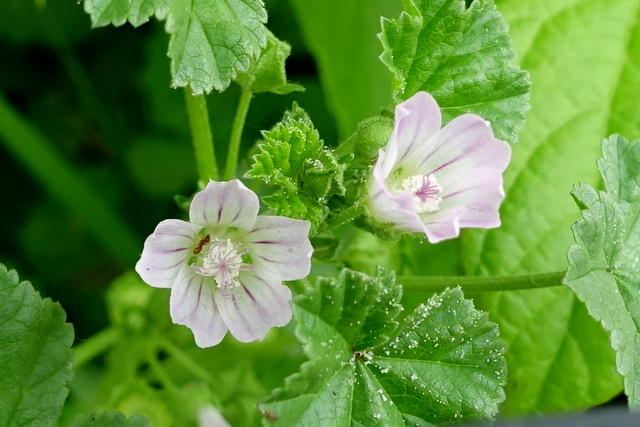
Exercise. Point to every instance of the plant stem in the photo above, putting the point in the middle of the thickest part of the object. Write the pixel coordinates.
(481, 284)
(201, 134)
(185, 360)
(345, 216)
(96, 345)
(236, 134)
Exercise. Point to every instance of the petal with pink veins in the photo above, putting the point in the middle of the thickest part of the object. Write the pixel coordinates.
(254, 307)
(280, 247)
(223, 205)
(193, 304)
(166, 251)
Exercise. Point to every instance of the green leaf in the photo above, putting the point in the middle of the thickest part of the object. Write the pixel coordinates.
(582, 56)
(604, 265)
(35, 355)
(109, 419)
(293, 158)
(268, 74)
(346, 50)
(210, 41)
(444, 362)
(462, 57)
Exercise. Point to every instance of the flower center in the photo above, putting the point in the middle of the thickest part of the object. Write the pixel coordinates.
(426, 192)
(223, 261)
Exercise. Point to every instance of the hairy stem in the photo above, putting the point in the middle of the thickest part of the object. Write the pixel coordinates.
(201, 134)
(236, 134)
(480, 283)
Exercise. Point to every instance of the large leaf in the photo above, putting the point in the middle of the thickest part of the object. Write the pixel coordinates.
(443, 364)
(211, 41)
(462, 57)
(579, 54)
(605, 263)
(35, 354)
(341, 35)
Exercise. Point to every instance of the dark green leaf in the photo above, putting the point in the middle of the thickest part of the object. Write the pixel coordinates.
(444, 363)
(462, 57)
(210, 41)
(35, 354)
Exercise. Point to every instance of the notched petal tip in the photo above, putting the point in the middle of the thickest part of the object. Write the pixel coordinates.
(225, 204)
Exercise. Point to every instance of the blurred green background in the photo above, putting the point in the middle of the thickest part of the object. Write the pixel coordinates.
(94, 144)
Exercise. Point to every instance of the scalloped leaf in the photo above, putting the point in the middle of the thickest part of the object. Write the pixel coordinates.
(444, 363)
(462, 57)
(210, 41)
(604, 269)
(35, 355)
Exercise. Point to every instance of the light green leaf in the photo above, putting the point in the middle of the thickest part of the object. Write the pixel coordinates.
(346, 50)
(109, 419)
(579, 54)
(35, 355)
(268, 74)
(462, 57)
(293, 158)
(443, 364)
(604, 265)
(210, 41)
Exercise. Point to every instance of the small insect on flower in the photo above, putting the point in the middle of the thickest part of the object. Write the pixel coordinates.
(201, 244)
(232, 278)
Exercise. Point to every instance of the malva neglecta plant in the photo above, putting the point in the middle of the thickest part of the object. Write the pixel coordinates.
(429, 234)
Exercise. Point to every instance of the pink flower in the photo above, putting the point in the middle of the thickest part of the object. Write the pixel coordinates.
(226, 266)
(435, 181)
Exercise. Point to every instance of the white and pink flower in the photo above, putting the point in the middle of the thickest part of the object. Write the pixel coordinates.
(225, 267)
(435, 180)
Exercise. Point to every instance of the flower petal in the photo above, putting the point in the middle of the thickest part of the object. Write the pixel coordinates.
(225, 204)
(255, 307)
(166, 251)
(280, 247)
(480, 191)
(193, 304)
(417, 120)
(386, 207)
(464, 143)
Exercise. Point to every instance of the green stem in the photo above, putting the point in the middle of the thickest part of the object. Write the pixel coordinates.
(185, 360)
(481, 284)
(345, 216)
(96, 345)
(201, 134)
(236, 134)
(161, 373)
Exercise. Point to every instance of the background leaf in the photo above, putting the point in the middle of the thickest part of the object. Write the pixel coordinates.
(443, 364)
(35, 355)
(346, 51)
(580, 55)
(210, 41)
(462, 57)
(604, 269)
(110, 419)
